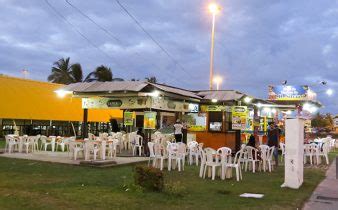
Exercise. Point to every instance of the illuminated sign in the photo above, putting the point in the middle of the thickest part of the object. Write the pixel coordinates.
(239, 117)
(288, 92)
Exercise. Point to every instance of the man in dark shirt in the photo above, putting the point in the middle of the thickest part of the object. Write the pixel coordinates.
(273, 140)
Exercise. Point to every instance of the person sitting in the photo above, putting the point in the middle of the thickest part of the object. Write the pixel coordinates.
(145, 141)
(252, 141)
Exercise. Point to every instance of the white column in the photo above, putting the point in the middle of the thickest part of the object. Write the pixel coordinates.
(294, 151)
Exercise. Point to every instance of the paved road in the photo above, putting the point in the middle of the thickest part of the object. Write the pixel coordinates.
(325, 196)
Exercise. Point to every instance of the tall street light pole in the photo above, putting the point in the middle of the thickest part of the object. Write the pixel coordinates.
(214, 9)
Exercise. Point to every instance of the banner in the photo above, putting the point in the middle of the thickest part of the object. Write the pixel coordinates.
(128, 118)
(288, 92)
(160, 103)
(215, 108)
(239, 117)
(149, 120)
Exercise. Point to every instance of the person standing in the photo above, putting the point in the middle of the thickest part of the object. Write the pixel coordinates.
(185, 132)
(273, 141)
(178, 127)
(144, 142)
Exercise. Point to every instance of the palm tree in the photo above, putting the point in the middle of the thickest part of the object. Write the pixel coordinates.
(151, 79)
(101, 74)
(65, 73)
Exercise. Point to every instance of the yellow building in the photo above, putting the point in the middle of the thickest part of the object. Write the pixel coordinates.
(28, 104)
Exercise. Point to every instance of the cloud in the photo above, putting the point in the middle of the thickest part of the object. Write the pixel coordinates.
(258, 42)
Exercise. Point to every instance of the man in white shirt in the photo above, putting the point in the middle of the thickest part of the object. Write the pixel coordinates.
(178, 131)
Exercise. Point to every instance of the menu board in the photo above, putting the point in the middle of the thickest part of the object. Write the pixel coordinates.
(149, 120)
(128, 118)
(239, 117)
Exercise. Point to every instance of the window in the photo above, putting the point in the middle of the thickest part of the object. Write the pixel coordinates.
(196, 121)
(227, 124)
(215, 121)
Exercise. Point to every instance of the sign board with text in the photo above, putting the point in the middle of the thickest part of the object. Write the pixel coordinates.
(159, 103)
(288, 92)
(239, 117)
(128, 118)
(149, 120)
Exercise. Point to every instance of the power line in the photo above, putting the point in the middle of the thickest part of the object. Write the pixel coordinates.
(81, 34)
(151, 37)
(107, 32)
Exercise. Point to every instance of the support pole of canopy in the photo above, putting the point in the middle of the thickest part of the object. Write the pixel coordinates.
(73, 129)
(85, 123)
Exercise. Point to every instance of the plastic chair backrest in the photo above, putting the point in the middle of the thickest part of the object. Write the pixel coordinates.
(151, 149)
(139, 140)
(271, 151)
(211, 155)
(251, 152)
(264, 151)
(238, 156)
(181, 148)
(158, 149)
(224, 153)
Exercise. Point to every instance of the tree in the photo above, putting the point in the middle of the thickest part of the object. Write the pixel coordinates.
(65, 73)
(102, 74)
(322, 121)
(151, 79)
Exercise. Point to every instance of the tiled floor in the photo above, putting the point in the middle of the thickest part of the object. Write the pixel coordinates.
(64, 157)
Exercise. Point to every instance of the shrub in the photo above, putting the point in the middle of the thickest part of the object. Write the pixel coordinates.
(149, 178)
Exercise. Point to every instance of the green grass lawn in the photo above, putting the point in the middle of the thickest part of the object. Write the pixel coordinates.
(36, 185)
(2, 143)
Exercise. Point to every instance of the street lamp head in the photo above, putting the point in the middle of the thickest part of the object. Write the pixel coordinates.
(329, 92)
(217, 79)
(214, 8)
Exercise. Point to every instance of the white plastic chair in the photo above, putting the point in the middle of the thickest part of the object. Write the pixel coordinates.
(131, 140)
(12, 143)
(264, 149)
(237, 165)
(91, 137)
(176, 152)
(76, 148)
(160, 155)
(112, 148)
(333, 145)
(324, 152)
(51, 143)
(91, 147)
(138, 145)
(224, 154)
(269, 157)
(308, 153)
(193, 152)
(28, 143)
(212, 161)
(125, 141)
(251, 157)
(203, 160)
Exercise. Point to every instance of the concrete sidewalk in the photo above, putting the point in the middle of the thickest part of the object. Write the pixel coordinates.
(325, 196)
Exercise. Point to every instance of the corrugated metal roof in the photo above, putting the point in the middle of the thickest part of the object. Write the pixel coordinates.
(116, 86)
(221, 95)
(176, 90)
(87, 87)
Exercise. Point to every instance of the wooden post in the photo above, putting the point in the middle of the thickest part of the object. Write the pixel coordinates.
(85, 124)
(238, 140)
